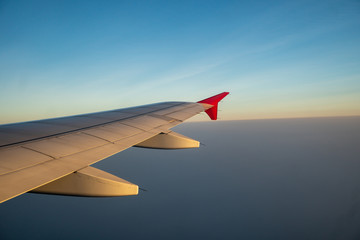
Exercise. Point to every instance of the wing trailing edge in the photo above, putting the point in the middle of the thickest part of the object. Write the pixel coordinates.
(211, 104)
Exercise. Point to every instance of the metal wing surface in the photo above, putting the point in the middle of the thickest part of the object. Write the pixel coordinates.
(54, 155)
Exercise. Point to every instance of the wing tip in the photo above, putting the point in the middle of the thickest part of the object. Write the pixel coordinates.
(214, 100)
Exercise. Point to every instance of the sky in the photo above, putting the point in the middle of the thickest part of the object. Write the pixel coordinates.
(278, 59)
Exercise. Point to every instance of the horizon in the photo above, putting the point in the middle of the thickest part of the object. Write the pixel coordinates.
(200, 118)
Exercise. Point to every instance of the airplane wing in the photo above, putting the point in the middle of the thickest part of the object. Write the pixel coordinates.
(53, 156)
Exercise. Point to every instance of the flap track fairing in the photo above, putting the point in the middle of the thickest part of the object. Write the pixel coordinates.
(89, 182)
(170, 140)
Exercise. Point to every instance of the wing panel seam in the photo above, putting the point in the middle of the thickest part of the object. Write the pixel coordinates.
(97, 137)
(53, 158)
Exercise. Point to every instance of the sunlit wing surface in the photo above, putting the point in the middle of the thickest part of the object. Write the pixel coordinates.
(53, 156)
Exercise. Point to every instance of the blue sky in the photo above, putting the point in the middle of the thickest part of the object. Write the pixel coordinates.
(277, 58)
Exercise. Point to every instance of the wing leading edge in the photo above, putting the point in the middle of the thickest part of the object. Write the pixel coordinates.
(54, 156)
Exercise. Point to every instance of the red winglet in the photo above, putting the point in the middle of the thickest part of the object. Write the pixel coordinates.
(214, 100)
